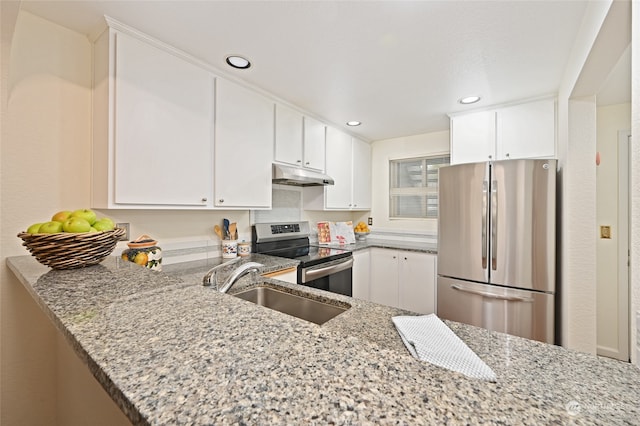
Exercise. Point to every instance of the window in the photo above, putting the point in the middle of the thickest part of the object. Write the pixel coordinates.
(413, 187)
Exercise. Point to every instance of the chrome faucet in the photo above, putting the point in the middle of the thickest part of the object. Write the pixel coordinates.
(237, 273)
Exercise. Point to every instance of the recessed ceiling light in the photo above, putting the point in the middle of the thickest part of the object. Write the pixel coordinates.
(469, 100)
(238, 62)
(353, 123)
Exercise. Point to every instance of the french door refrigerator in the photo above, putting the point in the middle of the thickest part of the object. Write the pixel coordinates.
(497, 246)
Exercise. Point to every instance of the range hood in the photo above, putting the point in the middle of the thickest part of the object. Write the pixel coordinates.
(289, 175)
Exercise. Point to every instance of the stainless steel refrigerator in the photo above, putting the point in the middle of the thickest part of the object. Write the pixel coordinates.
(497, 246)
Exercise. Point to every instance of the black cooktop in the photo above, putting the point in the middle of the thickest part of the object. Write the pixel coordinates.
(300, 249)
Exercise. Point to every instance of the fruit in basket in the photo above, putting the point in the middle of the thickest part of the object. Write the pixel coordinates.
(84, 220)
(361, 227)
(51, 227)
(61, 216)
(76, 225)
(34, 229)
(86, 214)
(104, 224)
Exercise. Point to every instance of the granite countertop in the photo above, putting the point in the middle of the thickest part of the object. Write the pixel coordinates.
(397, 244)
(170, 351)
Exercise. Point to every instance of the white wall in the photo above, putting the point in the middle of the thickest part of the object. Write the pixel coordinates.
(635, 183)
(610, 120)
(404, 147)
(576, 182)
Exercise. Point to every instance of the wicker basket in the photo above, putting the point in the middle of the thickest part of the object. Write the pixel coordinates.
(70, 250)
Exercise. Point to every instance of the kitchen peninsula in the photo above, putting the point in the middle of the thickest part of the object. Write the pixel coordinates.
(170, 351)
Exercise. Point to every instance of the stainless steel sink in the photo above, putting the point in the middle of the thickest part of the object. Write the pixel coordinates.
(291, 304)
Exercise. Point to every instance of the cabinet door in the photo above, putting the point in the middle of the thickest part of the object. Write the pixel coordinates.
(288, 143)
(473, 137)
(338, 166)
(416, 282)
(361, 275)
(163, 127)
(243, 147)
(361, 191)
(527, 130)
(314, 149)
(384, 277)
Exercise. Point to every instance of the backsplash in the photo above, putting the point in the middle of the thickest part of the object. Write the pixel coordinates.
(286, 206)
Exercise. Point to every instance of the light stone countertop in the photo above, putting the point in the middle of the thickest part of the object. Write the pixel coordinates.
(397, 244)
(170, 351)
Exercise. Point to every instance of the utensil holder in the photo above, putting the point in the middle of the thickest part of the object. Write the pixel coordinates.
(229, 249)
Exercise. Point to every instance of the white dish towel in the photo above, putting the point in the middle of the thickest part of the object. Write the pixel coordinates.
(429, 339)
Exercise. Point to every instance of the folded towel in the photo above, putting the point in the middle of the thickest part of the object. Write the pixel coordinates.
(429, 339)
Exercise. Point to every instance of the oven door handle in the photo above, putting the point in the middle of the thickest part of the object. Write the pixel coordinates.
(314, 274)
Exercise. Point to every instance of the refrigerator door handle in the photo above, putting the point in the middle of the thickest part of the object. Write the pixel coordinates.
(494, 225)
(485, 195)
(493, 296)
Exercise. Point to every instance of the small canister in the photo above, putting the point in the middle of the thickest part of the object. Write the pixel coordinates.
(144, 251)
(244, 249)
(229, 249)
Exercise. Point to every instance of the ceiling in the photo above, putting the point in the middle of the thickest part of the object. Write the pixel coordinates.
(397, 66)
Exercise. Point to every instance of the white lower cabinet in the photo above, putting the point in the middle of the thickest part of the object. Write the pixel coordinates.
(403, 279)
(289, 275)
(361, 274)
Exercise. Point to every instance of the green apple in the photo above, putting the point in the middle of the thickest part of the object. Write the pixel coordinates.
(92, 229)
(34, 229)
(86, 214)
(61, 216)
(76, 225)
(52, 227)
(104, 224)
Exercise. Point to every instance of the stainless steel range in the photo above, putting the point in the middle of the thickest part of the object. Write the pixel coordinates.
(320, 267)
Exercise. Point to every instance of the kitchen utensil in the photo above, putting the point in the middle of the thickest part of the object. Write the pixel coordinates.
(218, 231)
(225, 227)
(232, 231)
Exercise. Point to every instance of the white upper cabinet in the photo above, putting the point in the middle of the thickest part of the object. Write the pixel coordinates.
(244, 129)
(289, 134)
(314, 144)
(348, 162)
(473, 137)
(299, 139)
(152, 129)
(361, 172)
(338, 166)
(526, 130)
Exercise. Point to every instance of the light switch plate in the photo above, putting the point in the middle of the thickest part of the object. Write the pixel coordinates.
(124, 226)
(605, 231)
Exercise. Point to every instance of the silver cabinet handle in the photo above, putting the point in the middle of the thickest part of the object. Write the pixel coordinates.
(485, 190)
(221, 200)
(204, 199)
(493, 296)
(494, 225)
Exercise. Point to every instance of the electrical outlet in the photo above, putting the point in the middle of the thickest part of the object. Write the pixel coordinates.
(124, 226)
(605, 232)
(370, 221)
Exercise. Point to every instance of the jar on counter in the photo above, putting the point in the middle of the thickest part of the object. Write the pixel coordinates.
(244, 249)
(144, 251)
